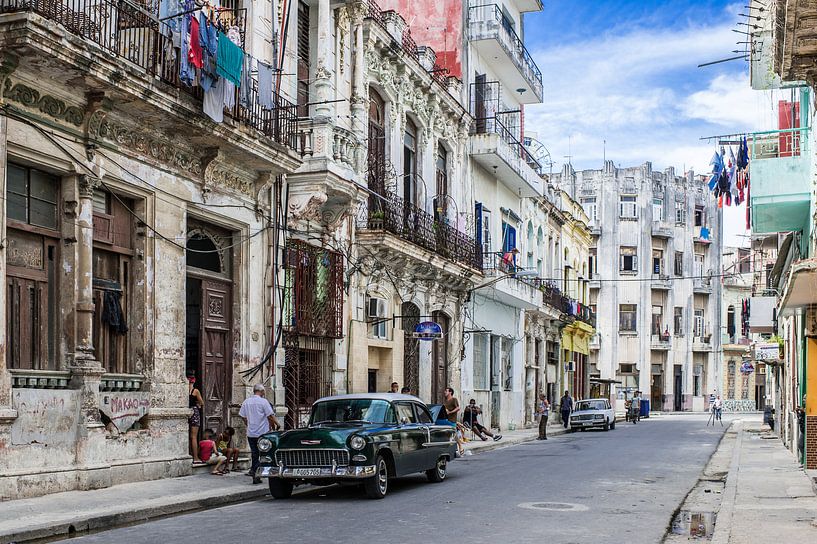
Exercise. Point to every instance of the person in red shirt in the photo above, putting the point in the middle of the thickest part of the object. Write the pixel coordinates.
(208, 453)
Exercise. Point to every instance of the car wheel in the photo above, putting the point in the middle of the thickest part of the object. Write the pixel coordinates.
(279, 488)
(438, 473)
(606, 425)
(613, 425)
(377, 486)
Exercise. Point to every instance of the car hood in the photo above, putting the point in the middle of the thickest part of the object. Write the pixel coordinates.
(322, 436)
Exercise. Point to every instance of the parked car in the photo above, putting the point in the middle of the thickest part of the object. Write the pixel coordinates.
(364, 438)
(592, 414)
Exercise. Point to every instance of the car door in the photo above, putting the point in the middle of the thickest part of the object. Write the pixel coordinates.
(412, 438)
(434, 434)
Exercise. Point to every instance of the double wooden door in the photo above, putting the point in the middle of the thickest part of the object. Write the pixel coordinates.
(215, 352)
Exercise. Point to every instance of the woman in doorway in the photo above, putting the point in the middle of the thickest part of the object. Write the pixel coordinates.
(195, 403)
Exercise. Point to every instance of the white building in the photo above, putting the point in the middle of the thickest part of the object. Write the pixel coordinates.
(653, 276)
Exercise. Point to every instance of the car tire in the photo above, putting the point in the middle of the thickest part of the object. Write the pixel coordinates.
(613, 425)
(606, 425)
(280, 488)
(438, 473)
(377, 486)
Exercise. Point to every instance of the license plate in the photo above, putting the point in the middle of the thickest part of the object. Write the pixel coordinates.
(306, 472)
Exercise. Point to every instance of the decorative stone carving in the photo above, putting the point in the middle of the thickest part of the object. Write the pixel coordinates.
(86, 185)
(306, 207)
(32, 99)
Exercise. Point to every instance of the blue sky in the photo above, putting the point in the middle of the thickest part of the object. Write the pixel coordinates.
(625, 71)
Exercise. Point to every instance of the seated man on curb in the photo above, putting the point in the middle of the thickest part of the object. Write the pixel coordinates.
(470, 417)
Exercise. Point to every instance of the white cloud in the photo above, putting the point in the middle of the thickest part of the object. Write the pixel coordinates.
(730, 102)
(632, 90)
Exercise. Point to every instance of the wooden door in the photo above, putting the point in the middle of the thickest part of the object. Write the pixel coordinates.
(439, 356)
(216, 352)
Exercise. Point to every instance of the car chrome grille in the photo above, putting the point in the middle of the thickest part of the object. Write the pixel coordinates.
(584, 417)
(312, 457)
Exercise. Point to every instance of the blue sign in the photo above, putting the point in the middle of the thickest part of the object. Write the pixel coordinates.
(427, 330)
(746, 367)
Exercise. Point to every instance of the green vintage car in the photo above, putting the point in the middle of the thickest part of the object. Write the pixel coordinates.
(363, 439)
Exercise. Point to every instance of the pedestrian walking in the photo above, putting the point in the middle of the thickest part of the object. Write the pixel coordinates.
(452, 405)
(566, 407)
(259, 419)
(195, 403)
(542, 409)
(718, 404)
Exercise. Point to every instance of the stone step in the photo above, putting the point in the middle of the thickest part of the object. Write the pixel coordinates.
(202, 468)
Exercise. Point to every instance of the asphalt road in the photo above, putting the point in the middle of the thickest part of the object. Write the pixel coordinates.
(590, 487)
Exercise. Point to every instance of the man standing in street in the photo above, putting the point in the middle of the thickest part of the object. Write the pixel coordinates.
(566, 407)
(259, 419)
(452, 405)
(542, 409)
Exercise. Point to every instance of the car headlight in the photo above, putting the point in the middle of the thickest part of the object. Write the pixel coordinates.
(357, 442)
(264, 444)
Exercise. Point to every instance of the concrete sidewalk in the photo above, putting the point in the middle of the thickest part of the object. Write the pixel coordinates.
(64, 514)
(767, 497)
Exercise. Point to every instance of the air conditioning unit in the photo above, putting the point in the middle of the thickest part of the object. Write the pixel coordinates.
(570, 366)
(376, 309)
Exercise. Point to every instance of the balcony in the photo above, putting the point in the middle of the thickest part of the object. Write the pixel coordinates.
(496, 147)
(390, 214)
(595, 342)
(494, 38)
(595, 230)
(781, 181)
(660, 342)
(661, 282)
(702, 343)
(702, 286)
(661, 229)
(121, 53)
(512, 285)
(595, 281)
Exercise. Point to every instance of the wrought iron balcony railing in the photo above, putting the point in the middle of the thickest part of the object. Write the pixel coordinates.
(488, 22)
(134, 33)
(386, 211)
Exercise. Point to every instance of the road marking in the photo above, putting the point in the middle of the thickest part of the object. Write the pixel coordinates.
(554, 506)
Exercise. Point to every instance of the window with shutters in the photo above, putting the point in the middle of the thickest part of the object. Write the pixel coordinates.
(679, 263)
(657, 262)
(113, 253)
(700, 217)
(657, 320)
(627, 206)
(698, 327)
(590, 207)
(481, 362)
(657, 209)
(32, 254)
(628, 259)
(303, 59)
(678, 323)
(680, 213)
(627, 317)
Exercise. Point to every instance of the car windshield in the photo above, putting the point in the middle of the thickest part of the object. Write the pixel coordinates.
(361, 410)
(591, 405)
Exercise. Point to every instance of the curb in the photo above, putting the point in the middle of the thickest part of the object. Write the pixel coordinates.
(723, 524)
(85, 524)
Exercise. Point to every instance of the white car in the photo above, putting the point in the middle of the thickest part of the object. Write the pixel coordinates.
(592, 414)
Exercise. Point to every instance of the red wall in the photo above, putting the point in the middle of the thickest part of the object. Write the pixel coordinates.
(435, 23)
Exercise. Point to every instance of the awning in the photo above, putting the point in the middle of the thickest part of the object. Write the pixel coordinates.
(801, 287)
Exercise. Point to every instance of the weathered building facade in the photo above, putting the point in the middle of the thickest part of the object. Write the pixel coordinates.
(653, 269)
(136, 230)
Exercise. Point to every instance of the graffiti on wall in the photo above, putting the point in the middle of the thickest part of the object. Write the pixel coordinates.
(124, 409)
(739, 405)
(45, 416)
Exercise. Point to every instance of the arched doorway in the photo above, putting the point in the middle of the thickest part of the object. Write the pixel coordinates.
(208, 338)
(411, 347)
(439, 359)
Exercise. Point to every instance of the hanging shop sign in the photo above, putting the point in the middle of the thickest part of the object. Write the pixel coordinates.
(768, 351)
(747, 367)
(427, 330)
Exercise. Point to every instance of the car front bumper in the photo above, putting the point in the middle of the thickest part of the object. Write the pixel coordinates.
(587, 423)
(351, 472)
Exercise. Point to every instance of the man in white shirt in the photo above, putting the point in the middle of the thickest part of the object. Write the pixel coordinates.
(259, 419)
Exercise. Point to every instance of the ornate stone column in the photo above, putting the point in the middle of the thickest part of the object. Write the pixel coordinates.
(359, 92)
(85, 369)
(323, 72)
